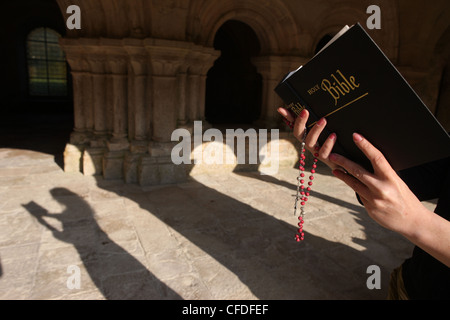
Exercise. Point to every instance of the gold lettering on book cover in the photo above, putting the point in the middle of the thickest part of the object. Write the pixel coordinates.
(314, 89)
(339, 85)
(296, 107)
(340, 108)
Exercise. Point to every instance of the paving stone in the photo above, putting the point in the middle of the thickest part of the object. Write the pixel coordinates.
(222, 236)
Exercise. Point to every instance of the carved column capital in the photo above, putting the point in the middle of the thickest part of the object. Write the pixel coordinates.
(137, 55)
(166, 57)
(201, 59)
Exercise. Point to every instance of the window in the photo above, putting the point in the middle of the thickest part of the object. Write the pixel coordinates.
(47, 69)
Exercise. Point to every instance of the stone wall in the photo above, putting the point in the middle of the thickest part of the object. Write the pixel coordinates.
(129, 95)
(139, 69)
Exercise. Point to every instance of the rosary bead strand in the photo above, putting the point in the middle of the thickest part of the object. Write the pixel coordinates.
(303, 192)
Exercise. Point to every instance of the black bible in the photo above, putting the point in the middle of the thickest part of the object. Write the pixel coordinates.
(356, 88)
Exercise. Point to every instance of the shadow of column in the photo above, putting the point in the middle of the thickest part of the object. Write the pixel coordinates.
(115, 272)
(208, 225)
(256, 247)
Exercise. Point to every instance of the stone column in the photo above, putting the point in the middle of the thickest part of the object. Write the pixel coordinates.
(117, 144)
(202, 96)
(95, 149)
(118, 70)
(198, 63)
(79, 137)
(139, 107)
(74, 149)
(137, 86)
(99, 97)
(166, 59)
(193, 95)
(182, 85)
(87, 104)
(79, 127)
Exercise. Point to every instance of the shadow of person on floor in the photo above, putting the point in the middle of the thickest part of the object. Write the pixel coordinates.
(115, 272)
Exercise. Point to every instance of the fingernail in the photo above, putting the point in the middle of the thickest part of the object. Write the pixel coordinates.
(341, 170)
(332, 136)
(357, 137)
(303, 113)
(338, 171)
(333, 157)
(321, 122)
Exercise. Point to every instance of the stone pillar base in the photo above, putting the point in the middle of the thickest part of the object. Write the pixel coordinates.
(113, 163)
(73, 155)
(159, 170)
(93, 161)
(130, 167)
(149, 163)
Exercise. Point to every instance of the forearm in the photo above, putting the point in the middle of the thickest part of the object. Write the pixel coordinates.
(431, 233)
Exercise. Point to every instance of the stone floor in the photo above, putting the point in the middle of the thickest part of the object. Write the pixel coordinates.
(214, 237)
(222, 236)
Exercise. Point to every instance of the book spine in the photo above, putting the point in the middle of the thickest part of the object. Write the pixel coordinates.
(301, 104)
(295, 104)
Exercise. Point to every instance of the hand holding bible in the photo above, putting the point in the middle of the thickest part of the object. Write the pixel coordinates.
(387, 199)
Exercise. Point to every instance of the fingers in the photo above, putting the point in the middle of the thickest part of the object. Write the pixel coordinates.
(355, 170)
(314, 133)
(379, 163)
(300, 125)
(325, 149)
(381, 166)
(286, 114)
(362, 190)
(299, 122)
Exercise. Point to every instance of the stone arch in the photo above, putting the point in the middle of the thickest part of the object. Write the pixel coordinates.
(274, 25)
(348, 14)
(276, 29)
(266, 37)
(233, 85)
(437, 45)
(332, 21)
(111, 18)
(89, 27)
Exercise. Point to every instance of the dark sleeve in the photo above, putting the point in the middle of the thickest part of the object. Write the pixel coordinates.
(426, 181)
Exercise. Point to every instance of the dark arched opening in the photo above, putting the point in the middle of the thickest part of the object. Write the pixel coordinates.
(233, 86)
(37, 103)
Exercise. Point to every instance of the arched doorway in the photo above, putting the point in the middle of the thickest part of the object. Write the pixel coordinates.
(233, 86)
(37, 109)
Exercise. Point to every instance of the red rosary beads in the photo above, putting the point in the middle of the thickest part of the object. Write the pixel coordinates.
(303, 191)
